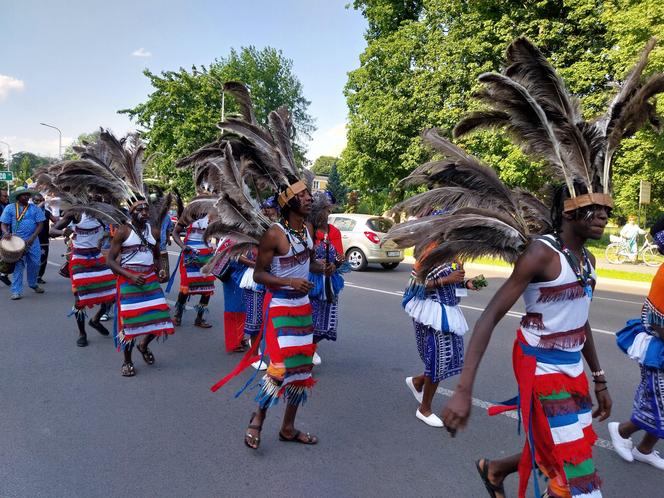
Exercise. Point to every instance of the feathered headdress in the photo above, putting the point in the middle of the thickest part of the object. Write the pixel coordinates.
(530, 102)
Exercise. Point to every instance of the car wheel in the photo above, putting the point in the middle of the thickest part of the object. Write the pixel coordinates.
(389, 266)
(356, 259)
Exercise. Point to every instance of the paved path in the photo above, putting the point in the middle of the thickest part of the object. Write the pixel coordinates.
(73, 427)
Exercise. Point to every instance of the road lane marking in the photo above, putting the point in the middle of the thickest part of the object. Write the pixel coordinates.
(511, 314)
(602, 443)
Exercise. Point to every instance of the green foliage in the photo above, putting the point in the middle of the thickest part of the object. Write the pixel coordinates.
(23, 165)
(323, 165)
(70, 154)
(182, 112)
(420, 70)
(336, 186)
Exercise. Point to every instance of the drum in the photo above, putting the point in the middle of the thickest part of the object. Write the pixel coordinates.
(12, 249)
(7, 268)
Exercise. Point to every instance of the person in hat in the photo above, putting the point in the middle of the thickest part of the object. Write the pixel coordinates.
(24, 220)
(643, 340)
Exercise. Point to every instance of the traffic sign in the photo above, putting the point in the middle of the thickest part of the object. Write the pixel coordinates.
(6, 176)
(644, 192)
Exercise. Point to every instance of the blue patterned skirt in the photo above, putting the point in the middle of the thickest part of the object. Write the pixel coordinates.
(648, 408)
(441, 352)
(253, 302)
(326, 319)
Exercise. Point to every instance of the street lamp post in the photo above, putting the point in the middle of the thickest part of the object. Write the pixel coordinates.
(60, 139)
(9, 158)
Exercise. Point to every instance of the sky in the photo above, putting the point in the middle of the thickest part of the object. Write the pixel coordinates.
(74, 63)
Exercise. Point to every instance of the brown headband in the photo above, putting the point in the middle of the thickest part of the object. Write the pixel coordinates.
(134, 205)
(291, 192)
(587, 200)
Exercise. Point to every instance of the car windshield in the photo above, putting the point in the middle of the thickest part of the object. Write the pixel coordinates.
(381, 225)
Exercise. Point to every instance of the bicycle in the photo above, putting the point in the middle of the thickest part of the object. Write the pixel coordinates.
(617, 252)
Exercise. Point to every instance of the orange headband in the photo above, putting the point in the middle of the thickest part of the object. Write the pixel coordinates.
(136, 204)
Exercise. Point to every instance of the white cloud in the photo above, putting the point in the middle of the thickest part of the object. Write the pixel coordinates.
(7, 84)
(43, 147)
(328, 142)
(141, 52)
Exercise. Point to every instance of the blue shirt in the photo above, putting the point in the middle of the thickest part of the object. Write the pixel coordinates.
(166, 227)
(28, 223)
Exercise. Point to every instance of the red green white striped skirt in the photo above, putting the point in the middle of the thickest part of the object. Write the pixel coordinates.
(290, 347)
(192, 280)
(92, 281)
(142, 309)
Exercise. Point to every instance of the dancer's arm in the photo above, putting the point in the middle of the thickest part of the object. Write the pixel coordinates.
(527, 268)
(60, 227)
(120, 236)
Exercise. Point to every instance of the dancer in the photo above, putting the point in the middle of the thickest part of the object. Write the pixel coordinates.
(44, 240)
(440, 326)
(643, 340)
(285, 257)
(195, 254)
(24, 220)
(326, 289)
(92, 281)
(555, 272)
(142, 310)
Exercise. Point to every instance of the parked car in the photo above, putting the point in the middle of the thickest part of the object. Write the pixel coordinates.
(362, 235)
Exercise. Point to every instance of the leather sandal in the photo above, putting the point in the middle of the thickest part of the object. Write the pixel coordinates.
(251, 438)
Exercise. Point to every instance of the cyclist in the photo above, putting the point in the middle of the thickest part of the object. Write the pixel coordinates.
(630, 232)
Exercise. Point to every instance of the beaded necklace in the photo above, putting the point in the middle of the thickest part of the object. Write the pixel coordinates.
(580, 268)
(301, 237)
(19, 216)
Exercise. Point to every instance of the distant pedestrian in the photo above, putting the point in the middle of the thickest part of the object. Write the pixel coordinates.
(44, 238)
(630, 232)
(4, 201)
(24, 220)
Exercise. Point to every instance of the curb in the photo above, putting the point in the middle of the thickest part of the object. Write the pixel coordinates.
(603, 283)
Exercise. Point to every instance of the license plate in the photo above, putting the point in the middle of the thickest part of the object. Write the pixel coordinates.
(393, 254)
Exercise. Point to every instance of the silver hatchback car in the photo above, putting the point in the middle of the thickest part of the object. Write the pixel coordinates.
(362, 235)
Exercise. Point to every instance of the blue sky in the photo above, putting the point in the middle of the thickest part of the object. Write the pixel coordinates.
(74, 63)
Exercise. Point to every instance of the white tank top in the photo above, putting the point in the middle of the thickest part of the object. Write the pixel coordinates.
(134, 251)
(295, 263)
(557, 311)
(197, 230)
(89, 232)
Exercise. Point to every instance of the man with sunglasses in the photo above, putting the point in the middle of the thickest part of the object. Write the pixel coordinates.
(556, 276)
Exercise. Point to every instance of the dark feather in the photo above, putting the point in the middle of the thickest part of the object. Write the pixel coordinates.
(243, 98)
(481, 120)
(197, 208)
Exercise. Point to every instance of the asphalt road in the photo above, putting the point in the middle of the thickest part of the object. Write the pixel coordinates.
(73, 427)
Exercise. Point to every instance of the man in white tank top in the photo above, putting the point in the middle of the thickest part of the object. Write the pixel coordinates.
(549, 373)
(285, 257)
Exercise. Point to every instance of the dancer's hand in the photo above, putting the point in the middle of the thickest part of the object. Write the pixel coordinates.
(7, 236)
(604, 403)
(330, 268)
(456, 277)
(300, 284)
(457, 411)
(139, 279)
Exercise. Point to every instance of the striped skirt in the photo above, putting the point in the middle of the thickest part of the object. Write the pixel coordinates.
(92, 281)
(557, 419)
(289, 344)
(192, 280)
(143, 309)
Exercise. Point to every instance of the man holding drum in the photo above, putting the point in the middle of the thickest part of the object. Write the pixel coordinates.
(24, 220)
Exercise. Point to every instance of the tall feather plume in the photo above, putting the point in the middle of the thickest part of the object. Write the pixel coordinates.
(197, 208)
(243, 98)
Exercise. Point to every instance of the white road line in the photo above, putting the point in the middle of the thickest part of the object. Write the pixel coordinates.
(511, 314)
(602, 443)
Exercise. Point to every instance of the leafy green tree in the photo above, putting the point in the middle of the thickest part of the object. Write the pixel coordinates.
(182, 112)
(421, 65)
(336, 186)
(323, 165)
(70, 154)
(24, 164)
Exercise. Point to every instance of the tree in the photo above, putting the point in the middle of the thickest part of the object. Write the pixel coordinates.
(182, 112)
(70, 154)
(335, 185)
(24, 164)
(420, 70)
(323, 165)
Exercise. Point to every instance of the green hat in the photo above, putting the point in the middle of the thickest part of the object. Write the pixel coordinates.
(20, 191)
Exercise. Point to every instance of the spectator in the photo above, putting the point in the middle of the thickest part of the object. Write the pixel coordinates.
(44, 240)
(630, 232)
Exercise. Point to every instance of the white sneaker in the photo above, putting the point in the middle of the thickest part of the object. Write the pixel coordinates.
(259, 365)
(316, 359)
(103, 318)
(652, 458)
(431, 420)
(623, 446)
(411, 386)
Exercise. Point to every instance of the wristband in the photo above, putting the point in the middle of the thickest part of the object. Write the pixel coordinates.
(599, 373)
(599, 381)
(602, 390)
